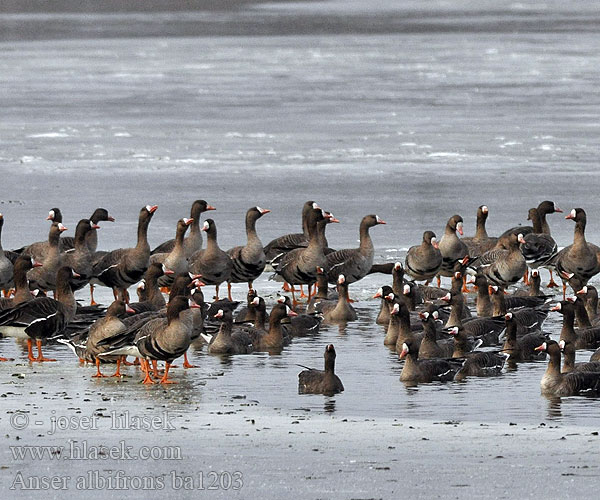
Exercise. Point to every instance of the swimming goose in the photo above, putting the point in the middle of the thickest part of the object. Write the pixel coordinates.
(248, 261)
(425, 370)
(354, 263)
(42, 318)
(588, 338)
(523, 348)
(342, 311)
(121, 268)
(193, 242)
(569, 365)
(299, 325)
(555, 383)
(476, 363)
(423, 261)
(527, 318)
(273, 339)
(228, 341)
(311, 381)
(323, 296)
(430, 347)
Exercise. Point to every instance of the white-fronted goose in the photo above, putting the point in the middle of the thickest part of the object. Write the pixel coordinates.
(299, 266)
(212, 263)
(22, 292)
(175, 260)
(383, 318)
(299, 325)
(323, 296)
(588, 338)
(528, 319)
(590, 295)
(80, 257)
(523, 348)
(273, 339)
(580, 258)
(423, 261)
(161, 339)
(44, 277)
(538, 248)
(430, 347)
(278, 247)
(555, 383)
(38, 250)
(226, 341)
(569, 365)
(483, 302)
(248, 261)
(193, 242)
(354, 263)
(451, 247)
(481, 242)
(476, 363)
(311, 381)
(124, 267)
(6, 266)
(91, 239)
(544, 208)
(151, 298)
(42, 318)
(425, 370)
(342, 311)
(503, 266)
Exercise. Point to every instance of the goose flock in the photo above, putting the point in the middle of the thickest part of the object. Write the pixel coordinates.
(432, 329)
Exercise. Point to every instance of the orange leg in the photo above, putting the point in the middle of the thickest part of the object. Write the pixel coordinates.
(98, 372)
(5, 359)
(165, 379)
(564, 290)
(294, 301)
(165, 289)
(229, 291)
(155, 367)
(186, 363)
(465, 288)
(41, 358)
(439, 280)
(250, 283)
(118, 371)
(216, 292)
(146, 367)
(30, 350)
(526, 277)
(552, 283)
(302, 294)
(92, 301)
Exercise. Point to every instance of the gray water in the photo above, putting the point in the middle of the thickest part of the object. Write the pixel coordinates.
(414, 112)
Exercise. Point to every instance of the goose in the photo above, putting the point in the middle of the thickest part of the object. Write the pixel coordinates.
(523, 348)
(538, 248)
(212, 263)
(193, 242)
(248, 261)
(569, 365)
(476, 363)
(503, 266)
(555, 383)
(430, 347)
(451, 247)
(425, 370)
(175, 260)
(423, 261)
(228, 341)
(588, 338)
(342, 311)
(91, 238)
(121, 268)
(311, 381)
(481, 242)
(44, 277)
(527, 318)
(354, 263)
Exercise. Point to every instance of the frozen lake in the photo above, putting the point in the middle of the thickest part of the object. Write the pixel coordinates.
(414, 112)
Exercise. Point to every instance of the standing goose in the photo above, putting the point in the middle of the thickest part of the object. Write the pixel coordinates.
(503, 266)
(555, 383)
(193, 242)
(521, 349)
(451, 247)
(544, 208)
(423, 261)
(151, 298)
(175, 260)
(44, 277)
(569, 365)
(91, 239)
(124, 267)
(538, 248)
(42, 318)
(342, 311)
(37, 251)
(425, 370)
(160, 339)
(481, 242)
(248, 261)
(278, 247)
(80, 258)
(212, 263)
(311, 381)
(22, 292)
(299, 266)
(354, 263)
(580, 258)
(6, 266)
